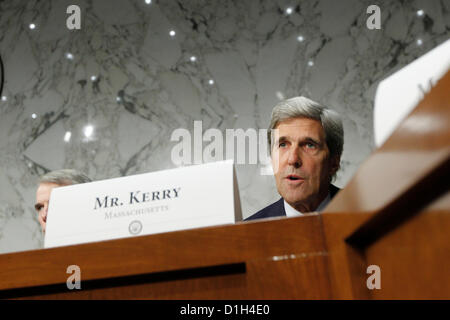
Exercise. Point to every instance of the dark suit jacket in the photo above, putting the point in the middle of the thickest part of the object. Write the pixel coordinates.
(276, 209)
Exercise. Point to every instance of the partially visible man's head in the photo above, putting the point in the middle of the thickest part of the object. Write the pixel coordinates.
(48, 182)
(306, 152)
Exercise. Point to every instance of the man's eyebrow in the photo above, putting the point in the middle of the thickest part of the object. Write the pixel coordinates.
(309, 139)
(283, 138)
(303, 140)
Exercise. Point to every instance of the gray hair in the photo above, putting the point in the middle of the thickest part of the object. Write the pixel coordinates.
(301, 107)
(64, 177)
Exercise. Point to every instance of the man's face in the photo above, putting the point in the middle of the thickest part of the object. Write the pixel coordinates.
(304, 166)
(42, 198)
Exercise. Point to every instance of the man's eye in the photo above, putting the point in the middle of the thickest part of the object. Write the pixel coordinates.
(282, 144)
(310, 147)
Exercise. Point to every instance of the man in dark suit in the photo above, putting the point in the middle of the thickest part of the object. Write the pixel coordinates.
(306, 141)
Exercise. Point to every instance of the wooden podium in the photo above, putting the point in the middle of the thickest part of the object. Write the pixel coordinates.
(394, 213)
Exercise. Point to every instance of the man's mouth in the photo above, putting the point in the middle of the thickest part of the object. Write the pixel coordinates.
(293, 177)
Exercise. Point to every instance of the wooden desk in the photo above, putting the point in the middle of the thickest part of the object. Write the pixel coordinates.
(394, 213)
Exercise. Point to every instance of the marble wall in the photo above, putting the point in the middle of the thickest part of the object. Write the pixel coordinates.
(226, 63)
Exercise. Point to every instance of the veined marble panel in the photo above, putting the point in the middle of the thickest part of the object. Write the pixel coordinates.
(226, 63)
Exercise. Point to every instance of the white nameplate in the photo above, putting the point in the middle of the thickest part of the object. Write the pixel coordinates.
(176, 199)
(401, 92)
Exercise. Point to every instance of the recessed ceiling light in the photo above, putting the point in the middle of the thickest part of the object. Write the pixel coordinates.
(88, 131)
(67, 136)
(279, 95)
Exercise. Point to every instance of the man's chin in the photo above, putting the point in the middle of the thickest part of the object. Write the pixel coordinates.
(294, 199)
(293, 194)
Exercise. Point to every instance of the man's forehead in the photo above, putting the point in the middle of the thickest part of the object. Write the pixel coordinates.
(300, 127)
(45, 188)
(48, 185)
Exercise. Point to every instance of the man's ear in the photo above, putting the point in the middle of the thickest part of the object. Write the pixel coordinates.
(335, 164)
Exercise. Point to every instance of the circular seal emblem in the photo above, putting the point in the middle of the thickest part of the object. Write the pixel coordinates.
(135, 227)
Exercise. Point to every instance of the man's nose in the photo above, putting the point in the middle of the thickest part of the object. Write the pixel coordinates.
(294, 158)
